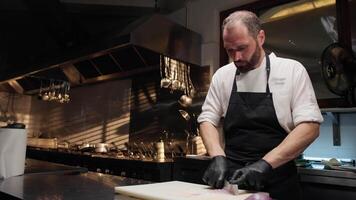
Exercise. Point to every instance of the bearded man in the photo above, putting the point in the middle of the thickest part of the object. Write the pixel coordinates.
(269, 111)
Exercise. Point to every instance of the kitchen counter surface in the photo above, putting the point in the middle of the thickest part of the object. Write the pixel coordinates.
(33, 166)
(190, 169)
(56, 185)
(138, 169)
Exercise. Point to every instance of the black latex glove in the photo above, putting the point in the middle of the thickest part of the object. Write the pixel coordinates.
(216, 172)
(253, 176)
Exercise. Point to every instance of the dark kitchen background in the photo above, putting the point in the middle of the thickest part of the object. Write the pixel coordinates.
(303, 30)
(313, 30)
(51, 39)
(112, 54)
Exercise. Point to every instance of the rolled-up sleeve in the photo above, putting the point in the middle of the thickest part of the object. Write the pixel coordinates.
(212, 107)
(304, 105)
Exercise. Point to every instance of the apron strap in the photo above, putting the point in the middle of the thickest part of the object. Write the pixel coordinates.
(268, 69)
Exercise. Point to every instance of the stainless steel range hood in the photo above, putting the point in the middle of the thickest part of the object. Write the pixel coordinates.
(161, 35)
(132, 50)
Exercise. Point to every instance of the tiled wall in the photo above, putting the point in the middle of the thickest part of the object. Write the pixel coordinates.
(101, 113)
(14, 107)
(134, 110)
(96, 113)
(323, 146)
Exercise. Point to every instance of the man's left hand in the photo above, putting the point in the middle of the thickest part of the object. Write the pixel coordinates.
(253, 175)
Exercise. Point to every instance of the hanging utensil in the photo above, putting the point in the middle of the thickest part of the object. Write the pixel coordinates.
(165, 81)
(181, 76)
(51, 93)
(191, 89)
(186, 78)
(60, 93)
(179, 71)
(175, 81)
(40, 92)
(184, 114)
(56, 90)
(66, 92)
(169, 71)
(45, 96)
(183, 83)
(161, 68)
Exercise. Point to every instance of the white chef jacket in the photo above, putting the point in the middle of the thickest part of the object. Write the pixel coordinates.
(292, 92)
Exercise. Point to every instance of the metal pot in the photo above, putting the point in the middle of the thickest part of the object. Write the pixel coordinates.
(165, 83)
(101, 148)
(175, 84)
(185, 101)
(86, 147)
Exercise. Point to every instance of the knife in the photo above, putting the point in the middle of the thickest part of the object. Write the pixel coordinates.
(231, 188)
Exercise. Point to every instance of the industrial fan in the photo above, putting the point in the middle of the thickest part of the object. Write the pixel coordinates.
(339, 71)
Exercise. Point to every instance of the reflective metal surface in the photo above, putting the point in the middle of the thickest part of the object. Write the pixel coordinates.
(165, 37)
(53, 183)
(303, 34)
(56, 187)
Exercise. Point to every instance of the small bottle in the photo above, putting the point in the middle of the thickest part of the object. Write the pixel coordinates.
(190, 150)
(160, 150)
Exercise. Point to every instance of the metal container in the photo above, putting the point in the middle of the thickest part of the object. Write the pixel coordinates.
(86, 147)
(101, 148)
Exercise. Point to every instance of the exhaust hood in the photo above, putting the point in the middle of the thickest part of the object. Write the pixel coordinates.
(133, 50)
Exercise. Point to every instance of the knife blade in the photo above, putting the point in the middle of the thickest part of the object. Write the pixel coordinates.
(231, 188)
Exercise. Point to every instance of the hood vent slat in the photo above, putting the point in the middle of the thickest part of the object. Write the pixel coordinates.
(106, 64)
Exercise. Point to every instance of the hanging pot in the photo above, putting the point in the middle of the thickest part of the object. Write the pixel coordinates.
(175, 81)
(175, 84)
(165, 83)
(185, 101)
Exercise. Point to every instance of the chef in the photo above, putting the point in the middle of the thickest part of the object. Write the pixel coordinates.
(269, 110)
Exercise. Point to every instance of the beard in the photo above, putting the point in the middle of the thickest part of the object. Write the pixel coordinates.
(246, 65)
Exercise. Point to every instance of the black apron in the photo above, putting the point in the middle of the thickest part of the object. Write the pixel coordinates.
(251, 130)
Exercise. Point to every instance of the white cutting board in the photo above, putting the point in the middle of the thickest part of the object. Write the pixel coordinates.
(178, 190)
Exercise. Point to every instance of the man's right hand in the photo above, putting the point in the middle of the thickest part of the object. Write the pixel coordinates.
(216, 172)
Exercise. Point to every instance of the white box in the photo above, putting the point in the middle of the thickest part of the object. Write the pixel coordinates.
(12, 152)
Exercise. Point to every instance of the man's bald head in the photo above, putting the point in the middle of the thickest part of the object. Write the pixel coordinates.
(247, 18)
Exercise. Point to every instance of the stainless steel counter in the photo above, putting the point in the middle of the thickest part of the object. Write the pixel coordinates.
(56, 186)
(330, 177)
(138, 169)
(33, 166)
